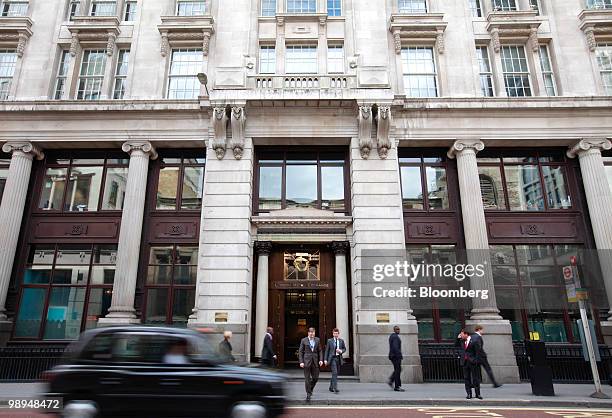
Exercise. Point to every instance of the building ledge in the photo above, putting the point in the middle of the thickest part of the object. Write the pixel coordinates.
(282, 18)
(186, 31)
(427, 27)
(15, 32)
(315, 220)
(98, 105)
(93, 31)
(596, 25)
(501, 103)
(515, 26)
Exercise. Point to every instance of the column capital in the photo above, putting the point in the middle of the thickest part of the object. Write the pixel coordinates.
(263, 247)
(587, 144)
(462, 145)
(144, 146)
(340, 247)
(24, 147)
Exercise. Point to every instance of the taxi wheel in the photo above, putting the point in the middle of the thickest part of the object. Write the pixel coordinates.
(248, 410)
(80, 409)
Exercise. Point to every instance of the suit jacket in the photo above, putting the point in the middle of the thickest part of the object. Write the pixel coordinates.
(479, 338)
(474, 350)
(225, 351)
(308, 355)
(395, 347)
(330, 349)
(460, 347)
(267, 352)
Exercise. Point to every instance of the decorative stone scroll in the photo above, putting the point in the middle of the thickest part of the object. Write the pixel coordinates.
(219, 123)
(365, 131)
(383, 121)
(238, 120)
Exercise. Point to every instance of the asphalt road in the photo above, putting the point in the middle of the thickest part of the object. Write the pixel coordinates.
(407, 412)
(434, 412)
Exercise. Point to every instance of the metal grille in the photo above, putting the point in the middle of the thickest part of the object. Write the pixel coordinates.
(26, 363)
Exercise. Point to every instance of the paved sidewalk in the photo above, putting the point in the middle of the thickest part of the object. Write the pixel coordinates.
(425, 394)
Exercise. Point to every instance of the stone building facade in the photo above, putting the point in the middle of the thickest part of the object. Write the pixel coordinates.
(228, 164)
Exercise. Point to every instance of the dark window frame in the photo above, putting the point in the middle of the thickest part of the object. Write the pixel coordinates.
(407, 153)
(558, 160)
(51, 162)
(180, 180)
(48, 287)
(282, 153)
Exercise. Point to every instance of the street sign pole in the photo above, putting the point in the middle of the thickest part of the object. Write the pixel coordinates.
(587, 336)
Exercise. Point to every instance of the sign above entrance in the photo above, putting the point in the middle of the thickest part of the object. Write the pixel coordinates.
(302, 284)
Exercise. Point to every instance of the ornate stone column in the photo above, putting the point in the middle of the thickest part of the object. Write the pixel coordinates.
(11, 215)
(262, 249)
(599, 200)
(484, 311)
(340, 249)
(128, 252)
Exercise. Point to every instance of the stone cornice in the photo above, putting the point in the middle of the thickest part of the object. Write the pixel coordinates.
(15, 31)
(475, 145)
(99, 105)
(186, 31)
(422, 26)
(93, 31)
(314, 219)
(587, 144)
(476, 103)
(514, 26)
(596, 25)
(24, 147)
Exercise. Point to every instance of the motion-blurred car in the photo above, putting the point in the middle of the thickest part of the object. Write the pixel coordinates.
(159, 372)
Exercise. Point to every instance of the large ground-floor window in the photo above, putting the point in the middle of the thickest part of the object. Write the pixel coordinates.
(64, 290)
(530, 289)
(170, 284)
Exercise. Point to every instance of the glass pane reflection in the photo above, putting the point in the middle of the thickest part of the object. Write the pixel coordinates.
(301, 185)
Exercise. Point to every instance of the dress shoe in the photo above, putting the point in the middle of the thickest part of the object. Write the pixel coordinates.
(308, 396)
(497, 385)
(399, 390)
(331, 390)
(479, 397)
(469, 396)
(336, 391)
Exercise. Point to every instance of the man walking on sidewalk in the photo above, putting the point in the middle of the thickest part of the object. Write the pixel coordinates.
(478, 331)
(333, 356)
(311, 359)
(395, 355)
(267, 353)
(470, 369)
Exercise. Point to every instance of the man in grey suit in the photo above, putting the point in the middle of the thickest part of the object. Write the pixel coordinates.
(311, 359)
(333, 356)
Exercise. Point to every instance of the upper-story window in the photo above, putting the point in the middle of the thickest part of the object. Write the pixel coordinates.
(531, 182)
(292, 179)
(183, 78)
(8, 60)
(121, 73)
(91, 76)
(412, 6)
(547, 71)
(604, 61)
(334, 7)
(504, 5)
(535, 6)
(475, 8)
(190, 8)
(129, 14)
(486, 75)
(267, 59)
(424, 183)
(516, 71)
(599, 4)
(103, 8)
(74, 9)
(61, 81)
(268, 7)
(14, 7)
(335, 59)
(301, 6)
(420, 76)
(84, 184)
(301, 59)
(180, 184)
(4, 168)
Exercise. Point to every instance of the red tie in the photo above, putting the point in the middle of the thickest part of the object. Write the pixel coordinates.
(465, 356)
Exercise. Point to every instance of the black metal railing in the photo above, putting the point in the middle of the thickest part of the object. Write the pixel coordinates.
(441, 363)
(26, 363)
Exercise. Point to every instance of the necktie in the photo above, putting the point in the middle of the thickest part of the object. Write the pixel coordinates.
(336, 343)
(311, 344)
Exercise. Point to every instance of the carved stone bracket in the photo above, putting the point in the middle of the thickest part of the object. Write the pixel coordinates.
(165, 44)
(427, 28)
(533, 40)
(383, 121)
(143, 146)
(515, 26)
(263, 247)
(365, 131)
(186, 31)
(205, 43)
(96, 31)
(397, 41)
(110, 44)
(596, 24)
(74, 43)
(16, 31)
(463, 145)
(238, 120)
(219, 123)
(24, 147)
(587, 144)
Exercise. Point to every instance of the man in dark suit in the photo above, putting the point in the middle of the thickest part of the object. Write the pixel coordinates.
(478, 331)
(395, 355)
(333, 356)
(467, 361)
(311, 359)
(225, 348)
(267, 353)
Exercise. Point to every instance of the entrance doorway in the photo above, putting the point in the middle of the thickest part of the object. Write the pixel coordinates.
(301, 313)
